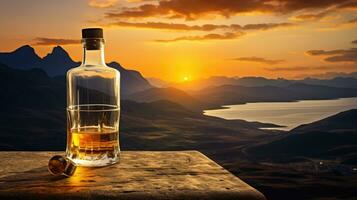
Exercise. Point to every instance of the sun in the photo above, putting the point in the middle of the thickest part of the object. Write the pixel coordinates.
(185, 78)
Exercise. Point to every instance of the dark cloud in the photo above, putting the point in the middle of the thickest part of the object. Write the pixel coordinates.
(212, 36)
(339, 55)
(192, 10)
(325, 53)
(354, 42)
(259, 60)
(54, 41)
(205, 27)
(293, 5)
(349, 5)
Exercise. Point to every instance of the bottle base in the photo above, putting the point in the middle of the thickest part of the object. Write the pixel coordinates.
(96, 163)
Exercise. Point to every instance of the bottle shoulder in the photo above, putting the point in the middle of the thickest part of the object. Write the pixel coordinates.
(89, 71)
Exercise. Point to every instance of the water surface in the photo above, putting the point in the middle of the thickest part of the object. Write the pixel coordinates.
(288, 114)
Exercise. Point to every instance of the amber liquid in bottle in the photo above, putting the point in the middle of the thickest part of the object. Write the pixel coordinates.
(92, 143)
(96, 143)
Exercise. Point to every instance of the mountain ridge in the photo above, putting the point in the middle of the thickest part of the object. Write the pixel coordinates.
(349, 81)
(57, 62)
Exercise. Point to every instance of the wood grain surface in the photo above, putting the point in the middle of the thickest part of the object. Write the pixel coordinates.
(139, 175)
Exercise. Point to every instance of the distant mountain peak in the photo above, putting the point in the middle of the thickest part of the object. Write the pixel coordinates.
(57, 55)
(25, 49)
(115, 65)
(23, 57)
(58, 51)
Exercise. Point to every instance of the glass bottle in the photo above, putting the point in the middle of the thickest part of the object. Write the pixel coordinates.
(93, 106)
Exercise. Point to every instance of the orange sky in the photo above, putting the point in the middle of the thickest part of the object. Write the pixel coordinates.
(174, 39)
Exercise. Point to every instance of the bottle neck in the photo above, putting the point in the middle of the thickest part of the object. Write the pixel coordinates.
(93, 52)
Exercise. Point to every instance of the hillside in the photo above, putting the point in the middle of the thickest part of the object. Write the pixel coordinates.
(30, 89)
(341, 121)
(170, 94)
(333, 138)
(131, 81)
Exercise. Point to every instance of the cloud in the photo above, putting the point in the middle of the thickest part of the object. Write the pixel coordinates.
(259, 60)
(234, 30)
(297, 68)
(323, 52)
(311, 16)
(266, 26)
(352, 21)
(339, 55)
(204, 27)
(169, 26)
(102, 3)
(212, 36)
(54, 41)
(348, 5)
(138, 1)
(354, 42)
(191, 10)
(347, 24)
(327, 75)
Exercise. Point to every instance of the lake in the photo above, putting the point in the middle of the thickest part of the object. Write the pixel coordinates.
(288, 114)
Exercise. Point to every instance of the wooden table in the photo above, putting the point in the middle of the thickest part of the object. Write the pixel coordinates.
(140, 175)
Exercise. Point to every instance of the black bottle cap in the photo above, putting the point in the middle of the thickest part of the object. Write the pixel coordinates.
(59, 165)
(92, 33)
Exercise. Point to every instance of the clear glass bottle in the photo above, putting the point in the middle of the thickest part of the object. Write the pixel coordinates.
(93, 106)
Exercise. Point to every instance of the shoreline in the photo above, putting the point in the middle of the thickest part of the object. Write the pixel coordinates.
(281, 126)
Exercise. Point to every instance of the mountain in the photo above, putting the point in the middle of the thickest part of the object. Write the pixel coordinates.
(156, 82)
(131, 81)
(332, 75)
(236, 94)
(170, 94)
(343, 82)
(339, 122)
(215, 81)
(22, 58)
(214, 97)
(58, 62)
(332, 138)
(204, 83)
(308, 91)
(34, 118)
(31, 89)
